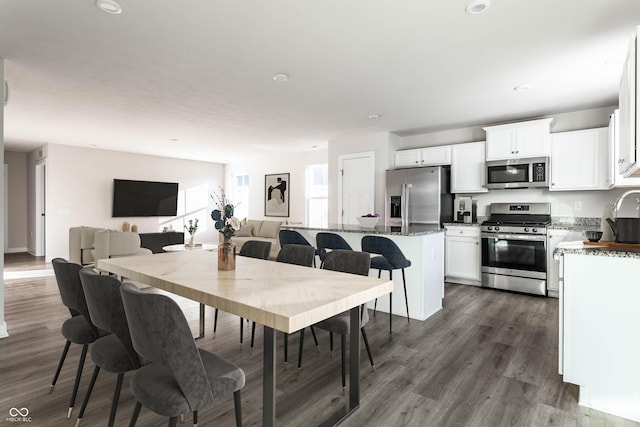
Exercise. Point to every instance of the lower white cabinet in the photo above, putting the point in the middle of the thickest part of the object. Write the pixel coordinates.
(554, 237)
(462, 256)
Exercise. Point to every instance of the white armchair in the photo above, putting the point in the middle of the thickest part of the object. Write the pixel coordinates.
(113, 244)
(88, 244)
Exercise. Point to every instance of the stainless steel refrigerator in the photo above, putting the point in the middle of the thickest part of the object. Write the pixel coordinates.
(418, 196)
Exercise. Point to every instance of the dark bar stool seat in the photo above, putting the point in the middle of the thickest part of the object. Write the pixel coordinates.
(389, 257)
(292, 237)
(331, 241)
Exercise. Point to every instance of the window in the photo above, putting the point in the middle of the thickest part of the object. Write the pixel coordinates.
(241, 196)
(317, 194)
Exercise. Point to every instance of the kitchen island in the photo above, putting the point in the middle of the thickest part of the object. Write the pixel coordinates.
(423, 245)
(599, 344)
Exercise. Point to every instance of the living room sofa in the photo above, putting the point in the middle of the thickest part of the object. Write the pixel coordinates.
(263, 230)
(88, 244)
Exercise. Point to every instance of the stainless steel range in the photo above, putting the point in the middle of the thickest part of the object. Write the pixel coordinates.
(514, 247)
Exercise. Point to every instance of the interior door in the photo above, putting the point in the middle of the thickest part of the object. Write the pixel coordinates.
(357, 184)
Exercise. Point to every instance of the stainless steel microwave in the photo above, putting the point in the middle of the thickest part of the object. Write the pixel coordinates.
(518, 173)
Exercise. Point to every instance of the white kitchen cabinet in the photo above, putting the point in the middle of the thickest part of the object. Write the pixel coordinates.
(615, 177)
(518, 140)
(430, 156)
(627, 149)
(468, 168)
(580, 160)
(555, 237)
(462, 255)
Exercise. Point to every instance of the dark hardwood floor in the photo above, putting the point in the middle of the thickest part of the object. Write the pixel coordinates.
(489, 358)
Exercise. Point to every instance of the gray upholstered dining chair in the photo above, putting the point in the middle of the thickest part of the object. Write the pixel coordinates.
(353, 262)
(295, 254)
(78, 329)
(252, 249)
(389, 257)
(114, 352)
(292, 237)
(180, 377)
(330, 241)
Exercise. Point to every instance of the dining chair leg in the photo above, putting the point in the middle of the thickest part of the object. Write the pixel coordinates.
(253, 332)
(94, 377)
(406, 301)
(390, 303)
(343, 349)
(300, 348)
(315, 339)
(237, 403)
(375, 303)
(286, 347)
(215, 322)
(83, 356)
(134, 416)
(331, 343)
(195, 418)
(366, 345)
(60, 363)
(116, 397)
(173, 421)
(241, 329)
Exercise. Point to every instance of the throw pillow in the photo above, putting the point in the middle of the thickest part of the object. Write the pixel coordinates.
(246, 230)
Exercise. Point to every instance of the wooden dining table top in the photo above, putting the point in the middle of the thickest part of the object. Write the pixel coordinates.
(278, 295)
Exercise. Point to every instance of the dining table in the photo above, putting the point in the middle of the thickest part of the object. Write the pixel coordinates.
(280, 296)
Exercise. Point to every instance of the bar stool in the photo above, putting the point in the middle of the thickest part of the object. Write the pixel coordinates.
(389, 258)
(331, 241)
(292, 237)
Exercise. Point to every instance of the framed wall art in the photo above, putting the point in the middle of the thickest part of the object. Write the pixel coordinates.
(276, 195)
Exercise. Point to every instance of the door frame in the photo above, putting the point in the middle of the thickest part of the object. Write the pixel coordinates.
(40, 207)
(371, 155)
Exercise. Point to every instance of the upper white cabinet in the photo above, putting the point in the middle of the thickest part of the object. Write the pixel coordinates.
(468, 169)
(430, 156)
(580, 160)
(627, 139)
(518, 140)
(615, 177)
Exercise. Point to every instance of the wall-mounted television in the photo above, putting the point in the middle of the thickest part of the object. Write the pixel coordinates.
(144, 198)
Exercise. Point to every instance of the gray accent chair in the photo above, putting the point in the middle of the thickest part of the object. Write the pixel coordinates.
(78, 329)
(180, 377)
(252, 249)
(353, 262)
(389, 257)
(114, 352)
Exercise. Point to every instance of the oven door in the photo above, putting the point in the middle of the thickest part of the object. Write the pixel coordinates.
(521, 255)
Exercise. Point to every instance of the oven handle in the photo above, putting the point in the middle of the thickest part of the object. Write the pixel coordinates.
(524, 237)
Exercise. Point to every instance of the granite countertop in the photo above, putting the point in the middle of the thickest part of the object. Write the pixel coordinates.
(411, 230)
(580, 248)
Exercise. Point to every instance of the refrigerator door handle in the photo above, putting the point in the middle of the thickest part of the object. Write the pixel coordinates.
(405, 208)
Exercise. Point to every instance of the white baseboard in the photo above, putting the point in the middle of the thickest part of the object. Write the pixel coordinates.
(3, 330)
(15, 250)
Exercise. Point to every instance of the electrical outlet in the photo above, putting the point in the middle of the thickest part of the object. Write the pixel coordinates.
(577, 206)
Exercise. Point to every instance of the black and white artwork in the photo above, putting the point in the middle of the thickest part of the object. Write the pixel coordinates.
(276, 198)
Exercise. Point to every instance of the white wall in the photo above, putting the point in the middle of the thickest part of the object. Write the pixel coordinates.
(267, 163)
(17, 201)
(380, 142)
(80, 192)
(3, 324)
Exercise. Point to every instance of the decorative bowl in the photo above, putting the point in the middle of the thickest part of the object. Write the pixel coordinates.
(368, 221)
(593, 236)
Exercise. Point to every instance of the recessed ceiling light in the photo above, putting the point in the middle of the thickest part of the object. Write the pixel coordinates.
(280, 77)
(374, 116)
(109, 6)
(521, 88)
(477, 6)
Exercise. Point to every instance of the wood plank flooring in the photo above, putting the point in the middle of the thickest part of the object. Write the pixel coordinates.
(489, 358)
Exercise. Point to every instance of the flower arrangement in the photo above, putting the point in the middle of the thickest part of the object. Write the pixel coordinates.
(223, 218)
(192, 228)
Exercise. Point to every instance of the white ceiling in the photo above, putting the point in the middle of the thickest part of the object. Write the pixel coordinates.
(200, 71)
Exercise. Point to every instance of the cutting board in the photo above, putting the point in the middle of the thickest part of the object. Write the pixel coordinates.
(613, 244)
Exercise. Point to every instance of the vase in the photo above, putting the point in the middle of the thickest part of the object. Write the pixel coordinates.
(192, 242)
(227, 255)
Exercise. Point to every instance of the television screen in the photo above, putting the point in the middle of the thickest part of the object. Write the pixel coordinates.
(144, 198)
